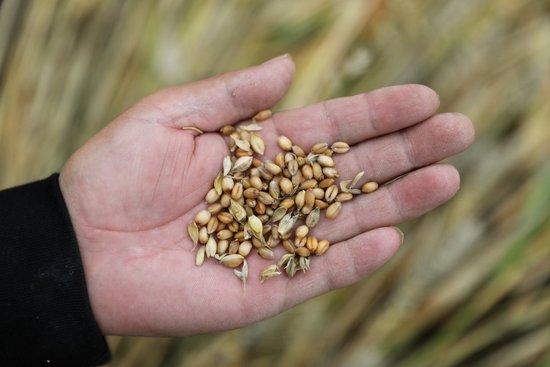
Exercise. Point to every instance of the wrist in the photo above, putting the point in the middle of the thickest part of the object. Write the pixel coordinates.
(88, 256)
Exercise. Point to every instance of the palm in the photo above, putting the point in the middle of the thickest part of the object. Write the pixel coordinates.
(134, 187)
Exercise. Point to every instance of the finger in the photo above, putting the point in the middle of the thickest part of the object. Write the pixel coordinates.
(224, 99)
(408, 197)
(344, 263)
(356, 118)
(392, 155)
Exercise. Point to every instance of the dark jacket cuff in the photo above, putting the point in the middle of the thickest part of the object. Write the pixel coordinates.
(45, 313)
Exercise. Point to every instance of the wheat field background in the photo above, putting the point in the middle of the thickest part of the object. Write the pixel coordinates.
(470, 286)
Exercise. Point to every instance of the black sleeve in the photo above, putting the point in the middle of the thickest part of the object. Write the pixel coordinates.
(45, 313)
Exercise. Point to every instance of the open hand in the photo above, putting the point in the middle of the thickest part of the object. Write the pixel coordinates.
(133, 188)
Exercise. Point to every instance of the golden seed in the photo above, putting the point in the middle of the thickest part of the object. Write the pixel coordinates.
(306, 210)
(202, 217)
(279, 160)
(232, 261)
(283, 261)
(340, 147)
(233, 247)
(225, 200)
(331, 193)
(330, 172)
(242, 164)
(237, 211)
(257, 243)
(344, 196)
(224, 234)
(193, 231)
(325, 161)
(239, 235)
(286, 185)
(266, 253)
(203, 235)
(199, 257)
(300, 241)
(222, 226)
(297, 179)
(356, 179)
(284, 143)
(256, 182)
(293, 167)
(215, 208)
(274, 189)
(251, 193)
(369, 187)
(212, 196)
(317, 171)
(264, 173)
(260, 208)
(251, 203)
(227, 163)
(237, 191)
(300, 199)
(287, 203)
(256, 162)
(233, 227)
(302, 251)
(272, 168)
(313, 218)
(257, 144)
(255, 224)
(344, 185)
(225, 217)
(307, 171)
(269, 272)
(333, 210)
(321, 204)
(262, 115)
(245, 135)
(309, 198)
(218, 183)
(244, 248)
(312, 243)
(319, 148)
(288, 246)
(328, 152)
(287, 223)
(322, 247)
(303, 263)
(291, 268)
(212, 225)
(318, 192)
(227, 130)
(302, 231)
(298, 151)
(265, 198)
(211, 247)
(227, 184)
(308, 184)
(327, 182)
(239, 153)
(223, 245)
(289, 156)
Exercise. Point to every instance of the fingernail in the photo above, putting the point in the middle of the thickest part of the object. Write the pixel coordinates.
(400, 233)
(277, 59)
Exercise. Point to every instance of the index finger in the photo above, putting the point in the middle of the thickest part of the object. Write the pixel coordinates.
(356, 118)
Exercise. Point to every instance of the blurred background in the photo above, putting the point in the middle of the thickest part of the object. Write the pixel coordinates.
(471, 285)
